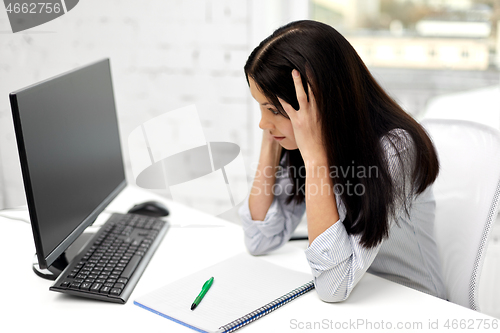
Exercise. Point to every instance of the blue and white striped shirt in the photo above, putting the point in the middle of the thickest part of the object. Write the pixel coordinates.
(338, 261)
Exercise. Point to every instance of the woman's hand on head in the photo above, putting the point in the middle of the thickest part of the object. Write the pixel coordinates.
(306, 123)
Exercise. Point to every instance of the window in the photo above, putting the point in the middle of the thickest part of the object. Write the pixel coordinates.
(421, 51)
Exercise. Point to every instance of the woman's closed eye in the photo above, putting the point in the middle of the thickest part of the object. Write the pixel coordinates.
(274, 111)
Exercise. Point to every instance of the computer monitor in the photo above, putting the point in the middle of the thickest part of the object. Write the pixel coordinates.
(71, 158)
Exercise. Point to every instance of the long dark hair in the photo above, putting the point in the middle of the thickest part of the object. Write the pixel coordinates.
(355, 114)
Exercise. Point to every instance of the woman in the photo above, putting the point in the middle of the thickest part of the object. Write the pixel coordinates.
(349, 156)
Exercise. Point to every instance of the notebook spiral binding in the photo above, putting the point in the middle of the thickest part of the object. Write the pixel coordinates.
(262, 311)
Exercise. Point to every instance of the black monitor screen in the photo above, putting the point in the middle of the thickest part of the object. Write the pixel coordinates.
(70, 153)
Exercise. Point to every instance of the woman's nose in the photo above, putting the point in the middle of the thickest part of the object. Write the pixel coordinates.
(265, 124)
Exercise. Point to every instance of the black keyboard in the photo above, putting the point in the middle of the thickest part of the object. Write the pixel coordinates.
(110, 265)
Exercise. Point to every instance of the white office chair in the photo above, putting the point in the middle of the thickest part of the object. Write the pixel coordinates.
(467, 192)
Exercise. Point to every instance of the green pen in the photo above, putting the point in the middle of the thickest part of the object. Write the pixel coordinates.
(204, 290)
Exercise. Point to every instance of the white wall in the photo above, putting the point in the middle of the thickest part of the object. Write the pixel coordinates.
(164, 54)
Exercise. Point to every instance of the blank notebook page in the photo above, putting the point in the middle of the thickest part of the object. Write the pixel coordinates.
(241, 285)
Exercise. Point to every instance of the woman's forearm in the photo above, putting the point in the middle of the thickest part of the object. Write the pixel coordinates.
(321, 205)
(261, 194)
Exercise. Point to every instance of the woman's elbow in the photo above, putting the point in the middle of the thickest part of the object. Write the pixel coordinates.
(260, 245)
(256, 252)
(328, 295)
(329, 298)
(254, 247)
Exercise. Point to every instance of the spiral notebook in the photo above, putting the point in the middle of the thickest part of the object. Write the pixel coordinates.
(245, 288)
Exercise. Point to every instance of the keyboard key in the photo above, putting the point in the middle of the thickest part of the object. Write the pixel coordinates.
(104, 290)
(96, 287)
(134, 261)
(75, 285)
(85, 286)
(115, 291)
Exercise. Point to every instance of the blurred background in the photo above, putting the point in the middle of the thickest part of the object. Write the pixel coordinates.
(437, 58)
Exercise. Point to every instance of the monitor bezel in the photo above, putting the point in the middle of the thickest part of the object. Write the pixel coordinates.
(45, 260)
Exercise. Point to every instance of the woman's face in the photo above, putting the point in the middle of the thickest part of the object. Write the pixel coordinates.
(279, 127)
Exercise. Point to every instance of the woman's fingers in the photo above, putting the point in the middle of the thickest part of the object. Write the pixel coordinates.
(290, 111)
(304, 103)
(312, 100)
(299, 90)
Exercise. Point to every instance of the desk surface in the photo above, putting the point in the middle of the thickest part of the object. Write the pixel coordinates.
(197, 240)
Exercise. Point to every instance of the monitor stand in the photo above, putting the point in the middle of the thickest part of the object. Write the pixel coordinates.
(63, 260)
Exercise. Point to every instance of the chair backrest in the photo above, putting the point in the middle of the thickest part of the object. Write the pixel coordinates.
(467, 192)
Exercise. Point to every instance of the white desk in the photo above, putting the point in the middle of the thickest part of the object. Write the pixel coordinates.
(195, 241)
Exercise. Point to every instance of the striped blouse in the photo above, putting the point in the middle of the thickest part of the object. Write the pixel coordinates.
(338, 261)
